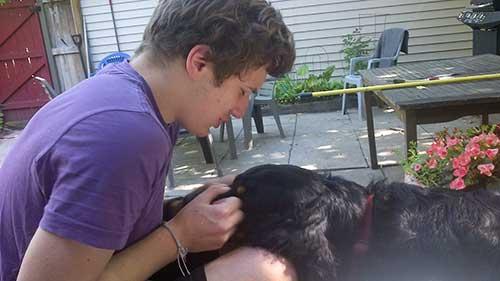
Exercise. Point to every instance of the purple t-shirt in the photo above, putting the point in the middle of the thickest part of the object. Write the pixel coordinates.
(90, 166)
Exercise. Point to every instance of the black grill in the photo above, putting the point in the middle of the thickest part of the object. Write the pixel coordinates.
(483, 16)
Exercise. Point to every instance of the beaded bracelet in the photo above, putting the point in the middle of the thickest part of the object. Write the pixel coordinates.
(181, 251)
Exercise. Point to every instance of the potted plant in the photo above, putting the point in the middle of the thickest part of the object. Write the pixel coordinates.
(457, 159)
(356, 45)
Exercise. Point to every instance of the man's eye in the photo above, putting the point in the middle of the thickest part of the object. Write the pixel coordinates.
(242, 93)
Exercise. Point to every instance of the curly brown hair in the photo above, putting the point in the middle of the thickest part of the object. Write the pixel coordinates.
(241, 34)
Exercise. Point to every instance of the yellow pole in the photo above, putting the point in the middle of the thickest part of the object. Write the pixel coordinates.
(411, 84)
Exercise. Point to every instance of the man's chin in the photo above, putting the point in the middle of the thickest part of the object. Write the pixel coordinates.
(198, 132)
(202, 134)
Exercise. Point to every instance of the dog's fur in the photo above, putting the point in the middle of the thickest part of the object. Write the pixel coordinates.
(313, 221)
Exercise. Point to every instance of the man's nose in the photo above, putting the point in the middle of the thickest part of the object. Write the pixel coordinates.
(240, 109)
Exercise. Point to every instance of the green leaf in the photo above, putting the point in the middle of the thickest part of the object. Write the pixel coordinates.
(303, 71)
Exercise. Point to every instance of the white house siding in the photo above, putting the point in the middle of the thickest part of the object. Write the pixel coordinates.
(131, 17)
(318, 27)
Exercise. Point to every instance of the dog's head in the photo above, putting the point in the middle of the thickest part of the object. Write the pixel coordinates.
(271, 193)
(297, 213)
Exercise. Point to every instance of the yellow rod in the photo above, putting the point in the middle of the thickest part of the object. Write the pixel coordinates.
(412, 84)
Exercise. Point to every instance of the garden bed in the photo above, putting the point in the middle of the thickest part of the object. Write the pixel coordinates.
(313, 106)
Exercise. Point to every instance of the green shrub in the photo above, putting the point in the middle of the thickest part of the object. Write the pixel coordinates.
(288, 90)
(356, 45)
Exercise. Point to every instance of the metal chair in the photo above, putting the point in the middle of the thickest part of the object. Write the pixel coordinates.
(264, 96)
(391, 42)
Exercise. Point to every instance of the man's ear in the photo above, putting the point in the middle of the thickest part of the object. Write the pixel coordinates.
(197, 65)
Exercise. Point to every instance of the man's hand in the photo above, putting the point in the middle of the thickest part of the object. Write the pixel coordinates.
(202, 225)
(227, 180)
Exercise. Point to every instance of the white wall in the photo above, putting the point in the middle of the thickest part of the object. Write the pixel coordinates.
(318, 26)
(131, 17)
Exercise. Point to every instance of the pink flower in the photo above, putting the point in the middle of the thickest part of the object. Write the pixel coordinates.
(442, 152)
(457, 184)
(464, 159)
(417, 167)
(491, 153)
(430, 152)
(476, 139)
(432, 163)
(456, 162)
(492, 139)
(461, 172)
(451, 141)
(486, 169)
(473, 149)
(482, 154)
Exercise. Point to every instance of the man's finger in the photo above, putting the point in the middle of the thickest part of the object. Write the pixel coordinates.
(227, 179)
(231, 203)
(235, 219)
(212, 192)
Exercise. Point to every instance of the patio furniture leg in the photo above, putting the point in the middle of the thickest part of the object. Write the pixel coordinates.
(484, 119)
(344, 109)
(232, 140)
(361, 105)
(205, 147)
(210, 141)
(247, 125)
(221, 136)
(410, 121)
(276, 115)
(257, 118)
(371, 130)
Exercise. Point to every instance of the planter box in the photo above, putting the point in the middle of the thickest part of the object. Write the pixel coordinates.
(314, 106)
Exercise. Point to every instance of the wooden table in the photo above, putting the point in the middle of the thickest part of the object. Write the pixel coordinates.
(436, 103)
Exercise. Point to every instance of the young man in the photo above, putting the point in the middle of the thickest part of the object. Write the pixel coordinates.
(81, 191)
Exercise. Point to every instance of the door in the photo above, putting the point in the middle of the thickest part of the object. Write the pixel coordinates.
(22, 55)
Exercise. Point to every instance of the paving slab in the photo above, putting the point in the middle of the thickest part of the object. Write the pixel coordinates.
(264, 151)
(462, 123)
(385, 123)
(393, 173)
(322, 123)
(323, 152)
(327, 141)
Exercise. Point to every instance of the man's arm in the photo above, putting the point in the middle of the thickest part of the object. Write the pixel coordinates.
(200, 226)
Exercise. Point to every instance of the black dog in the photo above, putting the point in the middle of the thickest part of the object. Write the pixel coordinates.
(333, 229)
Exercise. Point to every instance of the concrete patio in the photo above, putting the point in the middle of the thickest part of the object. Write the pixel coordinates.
(328, 142)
